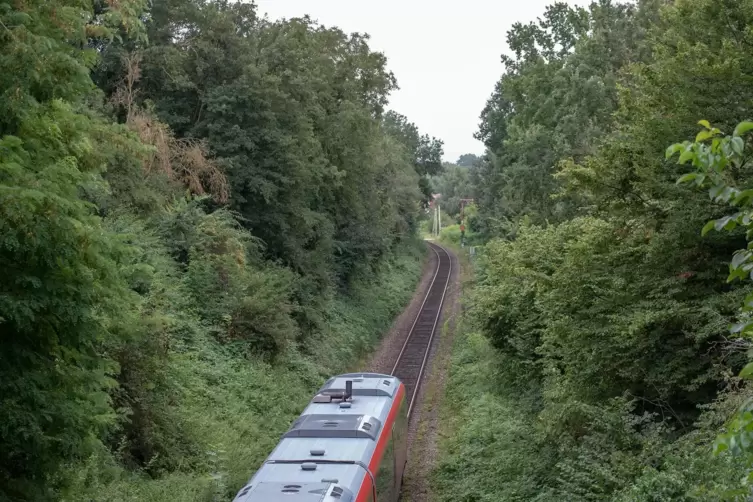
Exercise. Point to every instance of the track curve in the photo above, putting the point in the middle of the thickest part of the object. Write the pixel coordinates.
(411, 362)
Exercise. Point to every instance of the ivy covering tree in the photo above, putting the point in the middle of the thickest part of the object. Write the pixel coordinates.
(197, 208)
(616, 356)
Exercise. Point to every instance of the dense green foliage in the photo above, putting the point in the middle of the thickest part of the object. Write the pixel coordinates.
(496, 449)
(293, 112)
(614, 367)
(717, 160)
(231, 409)
(198, 211)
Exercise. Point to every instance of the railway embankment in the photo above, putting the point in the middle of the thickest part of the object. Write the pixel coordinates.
(236, 406)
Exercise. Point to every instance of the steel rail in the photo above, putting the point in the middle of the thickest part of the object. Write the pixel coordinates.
(418, 343)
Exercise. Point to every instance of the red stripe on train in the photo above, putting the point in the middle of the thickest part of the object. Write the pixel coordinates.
(376, 459)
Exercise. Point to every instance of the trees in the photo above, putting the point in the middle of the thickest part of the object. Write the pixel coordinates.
(291, 110)
(553, 103)
(603, 301)
(714, 158)
(468, 160)
(454, 183)
(195, 214)
(424, 152)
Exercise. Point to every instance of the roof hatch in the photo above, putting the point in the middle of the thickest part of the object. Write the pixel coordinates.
(335, 426)
(295, 492)
(351, 385)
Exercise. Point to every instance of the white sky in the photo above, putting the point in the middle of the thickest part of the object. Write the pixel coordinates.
(445, 55)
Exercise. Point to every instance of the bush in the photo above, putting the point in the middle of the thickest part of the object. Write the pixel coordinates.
(498, 445)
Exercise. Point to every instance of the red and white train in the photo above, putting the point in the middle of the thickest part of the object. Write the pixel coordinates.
(348, 445)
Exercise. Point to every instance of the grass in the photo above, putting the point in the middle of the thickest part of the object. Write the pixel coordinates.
(479, 427)
(238, 407)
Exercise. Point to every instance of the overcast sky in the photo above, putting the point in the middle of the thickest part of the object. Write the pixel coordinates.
(444, 54)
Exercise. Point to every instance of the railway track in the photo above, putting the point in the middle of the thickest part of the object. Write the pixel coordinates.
(411, 362)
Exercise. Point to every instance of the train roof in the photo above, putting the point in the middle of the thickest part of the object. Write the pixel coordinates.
(324, 455)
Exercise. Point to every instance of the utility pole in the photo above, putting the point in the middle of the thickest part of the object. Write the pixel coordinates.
(463, 202)
(439, 219)
(433, 219)
(436, 225)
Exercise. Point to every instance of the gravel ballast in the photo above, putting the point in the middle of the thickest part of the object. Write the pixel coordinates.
(389, 348)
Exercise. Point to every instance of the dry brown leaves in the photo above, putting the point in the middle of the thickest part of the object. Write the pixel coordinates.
(184, 160)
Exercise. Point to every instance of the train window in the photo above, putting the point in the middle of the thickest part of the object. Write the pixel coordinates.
(385, 479)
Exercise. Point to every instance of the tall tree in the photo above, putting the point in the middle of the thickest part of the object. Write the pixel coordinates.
(453, 184)
(468, 160)
(291, 111)
(553, 102)
(425, 152)
(605, 305)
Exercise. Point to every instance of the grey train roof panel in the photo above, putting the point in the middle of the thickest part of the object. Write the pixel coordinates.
(340, 449)
(349, 476)
(335, 444)
(364, 384)
(335, 426)
(300, 492)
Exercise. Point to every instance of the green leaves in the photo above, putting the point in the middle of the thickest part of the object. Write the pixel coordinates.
(738, 438)
(726, 223)
(704, 135)
(739, 258)
(737, 329)
(742, 128)
(673, 149)
(712, 161)
(294, 111)
(708, 133)
(687, 155)
(62, 296)
(737, 145)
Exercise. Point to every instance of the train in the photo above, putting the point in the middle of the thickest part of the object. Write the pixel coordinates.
(349, 445)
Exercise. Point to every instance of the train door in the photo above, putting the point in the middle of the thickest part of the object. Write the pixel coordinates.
(400, 433)
(390, 475)
(385, 478)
